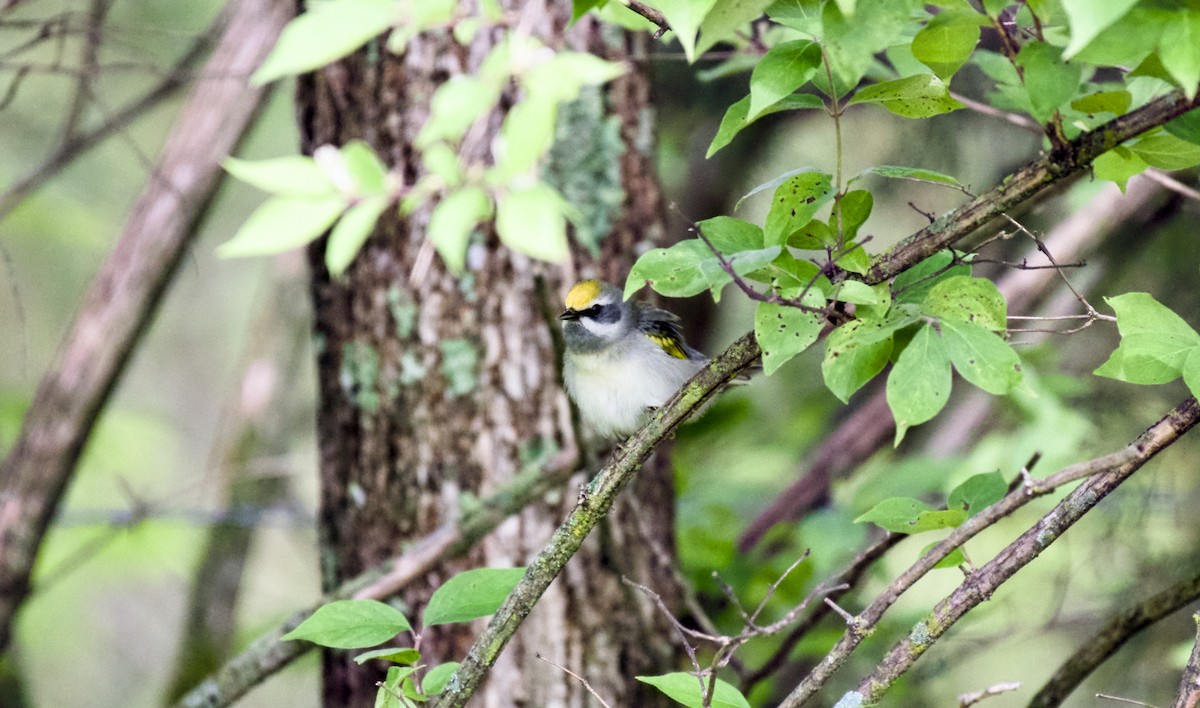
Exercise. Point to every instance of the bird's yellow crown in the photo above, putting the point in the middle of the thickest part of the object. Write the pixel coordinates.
(582, 295)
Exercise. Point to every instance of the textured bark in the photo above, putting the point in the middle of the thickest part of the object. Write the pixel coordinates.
(433, 387)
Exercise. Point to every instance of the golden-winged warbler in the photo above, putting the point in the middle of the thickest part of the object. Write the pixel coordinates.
(623, 359)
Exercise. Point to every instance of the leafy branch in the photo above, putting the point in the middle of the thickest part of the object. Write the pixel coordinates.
(1024, 184)
(1104, 475)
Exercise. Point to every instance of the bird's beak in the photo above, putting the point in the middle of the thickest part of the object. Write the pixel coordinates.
(569, 315)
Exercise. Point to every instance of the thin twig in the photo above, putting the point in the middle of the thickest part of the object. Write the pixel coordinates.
(575, 676)
(970, 699)
(1125, 700)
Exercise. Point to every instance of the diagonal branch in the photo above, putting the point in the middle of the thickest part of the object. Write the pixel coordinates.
(594, 502)
(269, 653)
(944, 231)
(980, 584)
(1112, 637)
(1189, 684)
(1120, 464)
(1025, 183)
(125, 293)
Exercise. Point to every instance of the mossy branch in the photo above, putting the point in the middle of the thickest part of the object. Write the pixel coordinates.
(594, 503)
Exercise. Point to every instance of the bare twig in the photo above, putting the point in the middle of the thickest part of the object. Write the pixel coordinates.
(1130, 701)
(577, 677)
(654, 16)
(68, 150)
(970, 699)
(123, 297)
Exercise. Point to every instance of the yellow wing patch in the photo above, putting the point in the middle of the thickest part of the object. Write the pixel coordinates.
(583, 294)
(668, 344)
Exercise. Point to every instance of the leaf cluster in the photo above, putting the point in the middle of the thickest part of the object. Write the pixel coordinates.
(356, 624)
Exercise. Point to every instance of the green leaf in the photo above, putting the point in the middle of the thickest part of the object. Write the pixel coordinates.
(857, 351)
(981, 356)
(853, 258)
(1155, 342)
(565, 74)
(1115, 102)
(579, 8)
(737, 117)
(452, 222)
(531, 220)
(470, 595)
(441, 161)
(785, 68)
(916, 174)
(1118, 165)
(367, 171)
(1179, 50)
(1167, 152)
(351, 232)
(857, 292)
(292, 176)
(730, 236)
(813, 236)
(978, 492)
(725, 18)
(1050, 81)
(783, 332)
(918, 96)
(914, 284)
(852, 42)
(689, 268)
(953, 559)
(946, 43)
(794, 204)
(525, 136)
(437, 677)
(327, 32)
(396, 655)
(685, 689)
(351, 624)
(966, 299)
(281, 224)
(919, 384)
(685, 17)
(1191, 371)
(454, 108)
(1089, 18)
(1186, 126)
(855, 208)
(909, 516)
(393, 685)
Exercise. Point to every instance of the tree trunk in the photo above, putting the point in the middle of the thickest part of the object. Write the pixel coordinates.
(435, 387)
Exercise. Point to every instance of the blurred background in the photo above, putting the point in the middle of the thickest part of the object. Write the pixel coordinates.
(229, 352)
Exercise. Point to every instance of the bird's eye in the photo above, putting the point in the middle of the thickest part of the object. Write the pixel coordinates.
(590, 312)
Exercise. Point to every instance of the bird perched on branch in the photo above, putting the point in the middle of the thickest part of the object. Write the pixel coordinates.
(623, 359)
